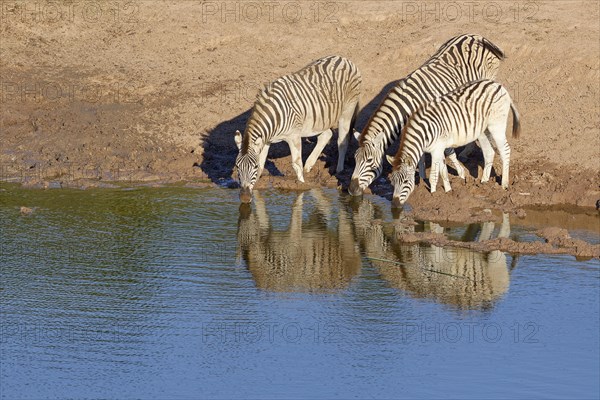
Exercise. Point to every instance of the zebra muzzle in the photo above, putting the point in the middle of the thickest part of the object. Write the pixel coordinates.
(354, 189)
(246, 195)
(396, 203)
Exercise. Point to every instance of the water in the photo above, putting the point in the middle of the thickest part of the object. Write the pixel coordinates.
(179, 293)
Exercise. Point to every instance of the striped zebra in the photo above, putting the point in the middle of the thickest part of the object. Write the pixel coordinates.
(455, 119)
(460, 60)
(317, 255)
(462, 278)
(310, 102)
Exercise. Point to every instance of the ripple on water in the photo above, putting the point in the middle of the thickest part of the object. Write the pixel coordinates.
(177, 292)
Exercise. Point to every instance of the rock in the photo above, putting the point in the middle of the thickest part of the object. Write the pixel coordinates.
(26, 210)
(553, 235)
(407, 238)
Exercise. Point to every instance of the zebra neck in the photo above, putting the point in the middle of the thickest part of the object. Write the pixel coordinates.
(411, 153)
(252, 135)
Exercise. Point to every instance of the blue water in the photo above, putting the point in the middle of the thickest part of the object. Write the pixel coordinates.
(177, 293)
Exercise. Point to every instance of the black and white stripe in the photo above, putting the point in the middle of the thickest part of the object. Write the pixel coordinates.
(316, 256)
(310, 102)
(460, 60)
(476, 111)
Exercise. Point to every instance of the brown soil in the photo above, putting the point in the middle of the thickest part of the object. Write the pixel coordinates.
(152, 91)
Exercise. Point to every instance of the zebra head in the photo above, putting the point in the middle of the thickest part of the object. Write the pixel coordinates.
(403, 181)
(247, 165)
(369, 164)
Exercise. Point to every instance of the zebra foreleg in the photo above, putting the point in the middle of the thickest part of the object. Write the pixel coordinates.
(323, 204)
(322, 141)
(262, 159)
(505, 227)
(295, 144)
(295, 228)
(488, 157)
(487, 228)
(437, 159)
(262, 215)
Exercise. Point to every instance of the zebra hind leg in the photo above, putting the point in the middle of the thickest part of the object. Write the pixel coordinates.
(488, 157)
(322, 141)
(451, 154)
(498, 133)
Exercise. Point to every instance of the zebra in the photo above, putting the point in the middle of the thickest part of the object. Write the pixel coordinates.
(455, 119)
(310, 102)
(460, 60)
(461, 278)
(318, 255)
(458, 277)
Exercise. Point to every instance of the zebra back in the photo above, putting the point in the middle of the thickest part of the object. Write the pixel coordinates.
(313, 97)
(460, 60)
(460, 115)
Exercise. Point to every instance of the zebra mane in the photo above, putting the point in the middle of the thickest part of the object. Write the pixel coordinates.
(487, 44)
(493, 48)
(401, 156)
(363, 136)
(263, 94)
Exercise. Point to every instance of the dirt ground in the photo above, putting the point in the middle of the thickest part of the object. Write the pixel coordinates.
(152, 91)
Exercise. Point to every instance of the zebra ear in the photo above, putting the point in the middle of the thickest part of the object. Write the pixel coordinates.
(356, 135)
(238, 139)
(389, 159)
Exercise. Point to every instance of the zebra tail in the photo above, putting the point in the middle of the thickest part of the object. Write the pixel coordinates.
(516, 131)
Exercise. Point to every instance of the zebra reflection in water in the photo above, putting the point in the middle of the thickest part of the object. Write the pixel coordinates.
(310, 256)
(455, 276)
